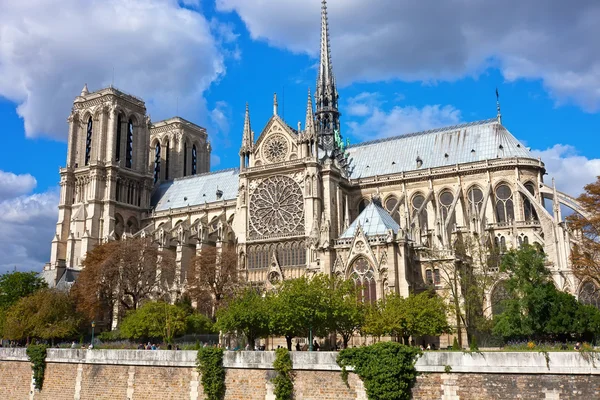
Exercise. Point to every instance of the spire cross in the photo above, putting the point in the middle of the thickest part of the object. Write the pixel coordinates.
(498, 115)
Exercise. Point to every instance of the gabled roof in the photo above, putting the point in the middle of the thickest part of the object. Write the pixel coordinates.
(374, 221)
(465, 143)
(196, 189)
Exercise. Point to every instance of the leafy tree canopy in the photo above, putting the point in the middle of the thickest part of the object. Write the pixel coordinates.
(155, 319)
(247, 313)
(16, 285)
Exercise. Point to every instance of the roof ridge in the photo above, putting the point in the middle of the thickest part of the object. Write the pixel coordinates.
(435, 130)
(219, 171)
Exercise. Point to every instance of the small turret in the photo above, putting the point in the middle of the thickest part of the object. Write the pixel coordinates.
(85, 91)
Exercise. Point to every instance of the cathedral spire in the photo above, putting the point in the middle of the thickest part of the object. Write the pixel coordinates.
(247, 139)
(327, 114)
(309, 125)
(498, 115)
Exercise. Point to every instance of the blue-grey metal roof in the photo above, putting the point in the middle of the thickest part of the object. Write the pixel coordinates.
(196, 189)
(374, 221)
(475, 141)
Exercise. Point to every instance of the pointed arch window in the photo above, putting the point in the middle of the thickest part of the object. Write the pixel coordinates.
(88, 141)
(446, 200)
(363, 276)
(185, 157)
(475, 196)
(157, 162)
(417, 203)
(194, 160)
(529, 211)
(504, 204)
(167, 153)
(129, 155)
(391, 206)
(118, 145)
(362, 205)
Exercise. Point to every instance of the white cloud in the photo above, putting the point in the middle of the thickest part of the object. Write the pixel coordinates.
(12, 185)
(370, 120)
(27, 225)
(570, 170)
(159, 51)
(430, 40)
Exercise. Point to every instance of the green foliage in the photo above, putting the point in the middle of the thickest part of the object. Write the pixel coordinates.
(210, 367)
(536, 310)
(37, 356)
(416, 315)
(299, 305)
(473, 346)
(386, 368)
(155, 319)
(284, 384)
(46, 314)
(455, 345)
(447, 369)
(109, 336)
(16, 285)
(199, 323)
(247, 313)
(346, 314)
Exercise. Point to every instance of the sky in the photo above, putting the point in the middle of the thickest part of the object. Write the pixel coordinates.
(402, 66)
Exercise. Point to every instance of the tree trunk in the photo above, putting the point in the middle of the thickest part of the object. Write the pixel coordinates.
(406, 340)
(288, 341)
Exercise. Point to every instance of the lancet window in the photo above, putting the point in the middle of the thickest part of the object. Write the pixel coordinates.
(504, 204)
(157, 162)
(589, 294)
(361, 272)
(288, 254)
(168, 151)
(391, 206)
(194, 160)
(185, 157)
(118, 144)
(475, 196)
(129, 155)
(88, 141)
(446, 200)
(528, 208)
(417, 202)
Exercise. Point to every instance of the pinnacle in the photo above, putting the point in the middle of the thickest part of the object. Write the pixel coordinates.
(85, 91)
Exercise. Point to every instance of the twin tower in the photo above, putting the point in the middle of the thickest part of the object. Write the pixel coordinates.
(116, 157)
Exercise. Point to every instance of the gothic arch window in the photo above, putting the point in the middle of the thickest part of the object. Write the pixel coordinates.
(362, 205)
(167, 154)
(88, 141)
(132, 225)
(391, 206)
(361, 272)
(498, 296)
(194, 160)
(446, 200)
(417, 202)
(157, 162)
(589, 294)
(118, 144)
(428, 277)
(529, 211)
(129, 154)
(119, 226)
(504, 204)
(185, 157)
(475, 196)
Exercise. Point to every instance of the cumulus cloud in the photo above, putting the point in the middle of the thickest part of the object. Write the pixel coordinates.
(12, 185)
(27, 223)
(552, 41)
(570, 170)
(370, 120)
(166, 54)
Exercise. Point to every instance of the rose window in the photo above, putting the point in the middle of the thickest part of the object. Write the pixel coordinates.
(276, 207)
(275, 149)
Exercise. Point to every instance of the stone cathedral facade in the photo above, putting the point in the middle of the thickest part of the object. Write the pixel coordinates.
(303, 201)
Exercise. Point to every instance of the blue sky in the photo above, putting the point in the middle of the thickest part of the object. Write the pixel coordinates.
(402, 67)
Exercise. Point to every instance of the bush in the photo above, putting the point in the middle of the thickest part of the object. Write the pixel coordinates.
(455, 345)
(284, 385)
(473, 345)
(37, 356)
(386, 368)
(210, 367)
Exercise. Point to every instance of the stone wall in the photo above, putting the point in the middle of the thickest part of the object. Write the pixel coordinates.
(133, 374)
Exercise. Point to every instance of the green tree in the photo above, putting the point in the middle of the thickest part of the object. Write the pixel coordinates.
(346, 313)
(46, 314)
(16, 285)
(247, 313)
(299, 307)
(155, 319)
(199, 323)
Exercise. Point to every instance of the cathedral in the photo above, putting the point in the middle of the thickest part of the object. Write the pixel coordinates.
(385, 213)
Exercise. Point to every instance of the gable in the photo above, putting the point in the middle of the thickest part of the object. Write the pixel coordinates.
(277, 143)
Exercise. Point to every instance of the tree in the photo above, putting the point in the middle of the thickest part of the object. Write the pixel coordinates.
(16, 285)
(346, 313)
(248, 313)
(585, 257)
(46, 314)
(155, 319)
(299, 307)
(417, 315)
(122, 274)
(213, 273)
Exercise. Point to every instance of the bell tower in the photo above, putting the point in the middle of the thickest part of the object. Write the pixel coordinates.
(106, 183)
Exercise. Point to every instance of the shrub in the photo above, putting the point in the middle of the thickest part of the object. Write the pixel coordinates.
(37, 356)
(455, 345)
(386, 368)
(284, 385)
(473, 346)
(210, 366)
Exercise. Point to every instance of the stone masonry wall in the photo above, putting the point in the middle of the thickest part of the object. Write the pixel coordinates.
(170, 375)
